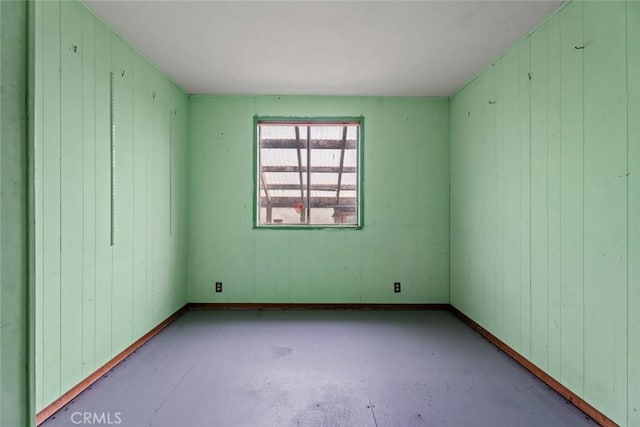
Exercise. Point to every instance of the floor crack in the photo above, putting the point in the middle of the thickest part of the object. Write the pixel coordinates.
(371, 406)
(366, 389)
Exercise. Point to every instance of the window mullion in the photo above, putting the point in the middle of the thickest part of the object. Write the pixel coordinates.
(308, 174)
(281, 167)
(337, 211)
(304, 213)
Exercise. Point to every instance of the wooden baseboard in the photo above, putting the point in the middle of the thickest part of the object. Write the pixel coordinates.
(57, 404)
(312, 306)
(576, 400)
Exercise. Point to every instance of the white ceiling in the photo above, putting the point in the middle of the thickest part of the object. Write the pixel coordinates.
(394, 47)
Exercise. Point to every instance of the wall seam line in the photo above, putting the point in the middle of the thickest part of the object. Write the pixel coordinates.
(626, 23)
(583, 211)
(95, 199)
(60, 193)
(560, 188)
(111, 131)
(548, 173)
(133, 195)
(530, 214)
(82, 328)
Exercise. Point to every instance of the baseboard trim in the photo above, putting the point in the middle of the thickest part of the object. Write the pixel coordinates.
(57, 404)
(575, 400)
(312, 306)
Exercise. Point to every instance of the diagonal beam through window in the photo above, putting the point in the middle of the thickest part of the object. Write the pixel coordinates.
(308, 172)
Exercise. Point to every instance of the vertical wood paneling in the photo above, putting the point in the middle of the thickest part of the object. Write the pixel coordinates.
(235, 254)
(182, 170)
(159, 190)
(539, 199)
(39, 202)
(500, 191)
(572, 193)
(605, 207)
(88, 193)
(71, 194)
(151, 94)
(15, 249)
(477, 170)
(461, 114)
(433, 242)
(71, 191)
(161, 180)
(272, 266)
(370, 268)
(174, 248)
(489, 187)
(553, 194)
(140, 190)
(471, 288)
(179, 103)
(633, 192)
(531, 175)
(93, 299)
(1, 298)
(1, 249)
(510, 101)
(104, 272)
(195, 235)
(574, 199)
(402, 113)
(525, 196)
(50, 375)
(122, 69)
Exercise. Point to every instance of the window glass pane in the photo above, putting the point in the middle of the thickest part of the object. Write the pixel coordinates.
(349, 179)
(322, 216)
(285, 216)
(348, 194)
(324, 178)
(316, 193)
(330, 132)
(285, 193)
(283, 173)
(350, 157)
(281, 178)
(278, 157)
(325, 158)
(352, 132)
(276, 132)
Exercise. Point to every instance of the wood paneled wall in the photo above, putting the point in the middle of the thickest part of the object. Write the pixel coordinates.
(15, 334)
(545, 202)
(405, 238)
(94, 298)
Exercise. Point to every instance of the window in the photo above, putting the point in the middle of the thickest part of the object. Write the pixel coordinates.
(308, 172)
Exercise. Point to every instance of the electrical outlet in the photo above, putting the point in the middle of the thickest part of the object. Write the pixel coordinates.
(218, 286)
(396, 287)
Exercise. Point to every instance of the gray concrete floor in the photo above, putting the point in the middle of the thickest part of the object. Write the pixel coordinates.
(319, 368)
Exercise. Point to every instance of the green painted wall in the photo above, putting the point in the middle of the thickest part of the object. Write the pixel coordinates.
(545, 202)
(406, 212)
(15, 351)
(94, 299)
(541, 151)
